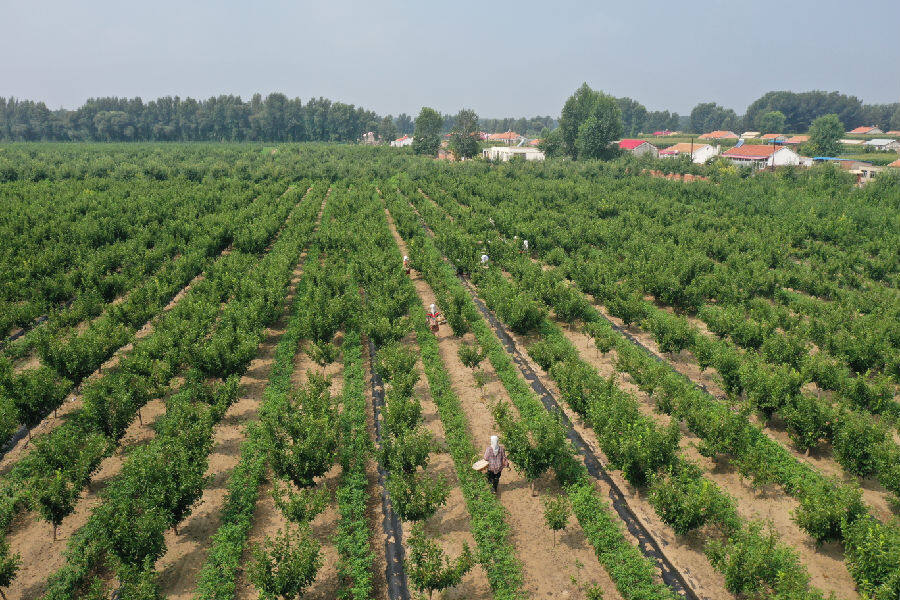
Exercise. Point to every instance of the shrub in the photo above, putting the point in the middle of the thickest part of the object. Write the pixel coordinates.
(416, 496)
(282, 568)
(470, 355)
(687, 501)
(856, 437)
(300, 507)
(430, 569)
(756, 564)
(828, 508)
(557, 511)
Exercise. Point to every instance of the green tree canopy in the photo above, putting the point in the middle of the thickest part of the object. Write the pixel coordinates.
(590, 122)
(464, 136)
(709, 116)
(824, 136)
(427, 136)
(387, 129)
(772, 122)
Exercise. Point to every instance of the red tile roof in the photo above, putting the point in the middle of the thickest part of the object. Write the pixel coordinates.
(863, 129)
(797, 139)
(771, 136)
(758, 151)
(631, 144)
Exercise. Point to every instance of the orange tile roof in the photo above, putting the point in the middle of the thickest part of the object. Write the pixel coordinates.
(509, 135)
(771, 136)
(719, 135)
(681, 148)
(751, 151)
(797, 139)
(863, 129)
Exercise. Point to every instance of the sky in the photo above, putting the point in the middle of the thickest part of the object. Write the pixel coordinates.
(500, 57)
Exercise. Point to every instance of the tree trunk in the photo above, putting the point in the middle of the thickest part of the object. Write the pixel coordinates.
(175, 528)
(140, 418)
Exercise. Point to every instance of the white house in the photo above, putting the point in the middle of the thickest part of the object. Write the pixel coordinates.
(762, 155)
(883, 144)
(699, 153)
(639, 147)
(406, 140)
(866, 130)
(504, 153)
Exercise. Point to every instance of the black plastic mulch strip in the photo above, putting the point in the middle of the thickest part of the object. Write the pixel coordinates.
(395, 571)
(648, 545)
(21, 432)
(646, 542)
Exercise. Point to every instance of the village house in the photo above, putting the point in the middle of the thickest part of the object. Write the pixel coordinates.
(797, 140)
(850, 142)
(865, 130)
(699, 153)
(883, 144)
(773, 137)
(719, 135)
(509, 137)
(750, 135)
(639, 147)
(762, 155)
(893, 133)
(406, 140)
(505, 153)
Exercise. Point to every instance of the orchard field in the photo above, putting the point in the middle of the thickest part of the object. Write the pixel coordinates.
(218, 380)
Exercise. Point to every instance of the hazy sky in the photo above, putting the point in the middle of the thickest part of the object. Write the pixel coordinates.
(500, 57)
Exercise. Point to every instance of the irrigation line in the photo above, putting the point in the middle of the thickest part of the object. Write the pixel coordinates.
(647, 544)
(395, 570)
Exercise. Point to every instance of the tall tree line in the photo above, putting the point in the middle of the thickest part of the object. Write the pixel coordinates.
(223, 118)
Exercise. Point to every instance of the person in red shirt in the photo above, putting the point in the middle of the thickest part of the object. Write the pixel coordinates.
(495, 455)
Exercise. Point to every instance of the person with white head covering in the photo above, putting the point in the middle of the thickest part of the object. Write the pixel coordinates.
(484, 259)
(525, 245)
(433, 316)
(495, 455)
(406, 263)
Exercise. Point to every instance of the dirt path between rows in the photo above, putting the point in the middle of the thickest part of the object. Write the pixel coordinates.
(186, 553)
(451, 522)
(267, 518)
(548, 568)
(826, 563)
(874, 494)
(74, 401)
(31, 537)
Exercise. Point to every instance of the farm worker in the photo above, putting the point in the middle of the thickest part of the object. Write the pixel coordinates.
(433, 315)
(484, 259)
(406, 263)
(525, 245)
(495, 455)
